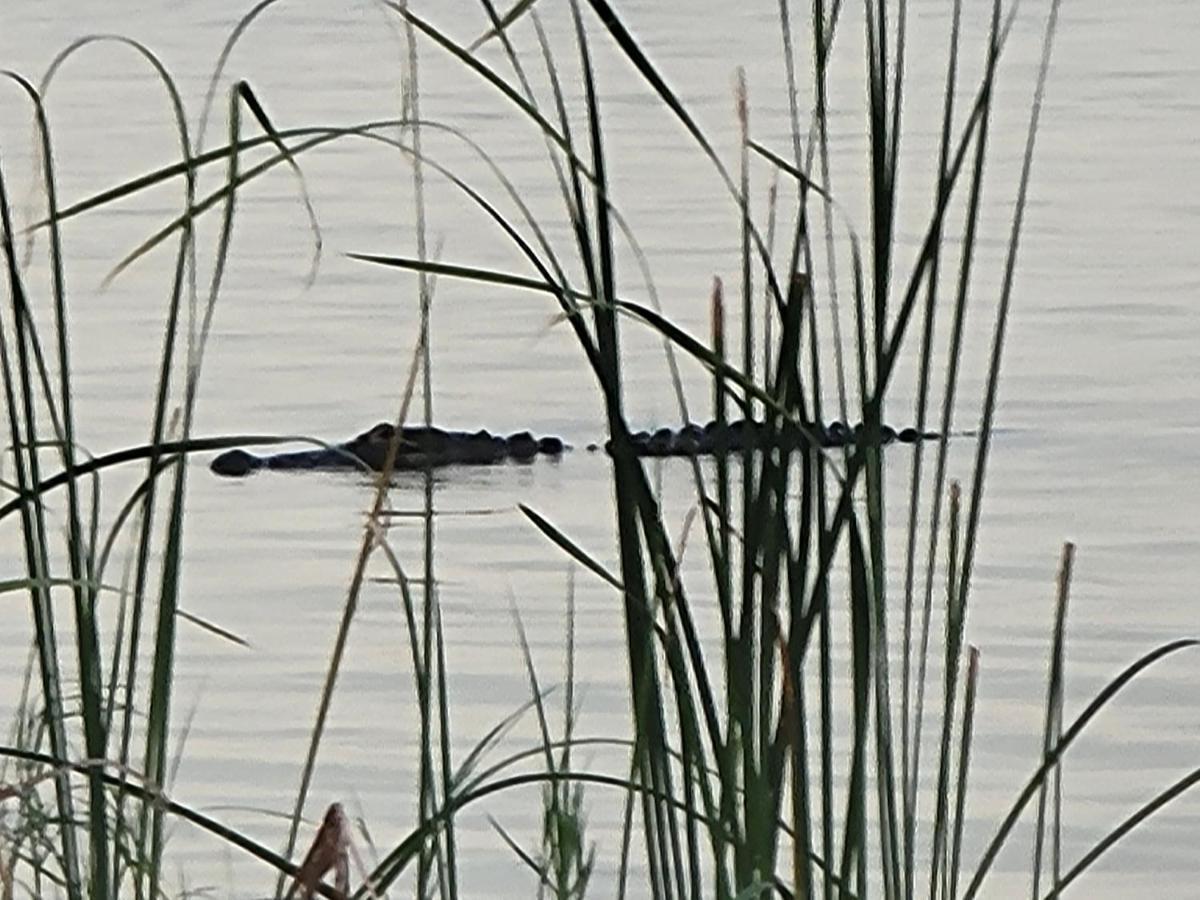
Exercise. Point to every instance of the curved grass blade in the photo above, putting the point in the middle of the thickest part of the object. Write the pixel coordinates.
(1098, 703)
(127, 509)
(161, 676)
(518, 9)
(185, 261)
(228, 835)
(87, 638)
(214, 80)
(147, 451)
(17, 585)
(573, 550)
(252, 103)
(23, 433)
(401, 856)
(193, 164)
(223, 633)
(1143, 813)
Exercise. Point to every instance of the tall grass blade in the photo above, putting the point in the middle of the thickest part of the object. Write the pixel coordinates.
(955, 622)
(162, 674)
(370, 540)
(997, 352)
(1052, 732)
(911, 730)
(23, 439)
(964, 764)
(853, 868)
(573, 550)
(86, 631)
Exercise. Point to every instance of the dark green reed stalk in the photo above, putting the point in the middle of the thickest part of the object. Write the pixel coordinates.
(118, 847)
(1052, 734)
(162, 674)
(24, 441)
(86, 586)
(157, 434)
(651, 759)
(966, 730)
(147, 493)
(749, 754)
(813, 474)
(955, 622)
(783, 557)
(667, 663)
(433, 657)
(564, 863)
(85, 596)
(910, 728)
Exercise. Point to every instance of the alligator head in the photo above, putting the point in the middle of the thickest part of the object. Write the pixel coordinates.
(415, 448)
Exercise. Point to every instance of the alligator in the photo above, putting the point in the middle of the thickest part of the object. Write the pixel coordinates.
(423, 448)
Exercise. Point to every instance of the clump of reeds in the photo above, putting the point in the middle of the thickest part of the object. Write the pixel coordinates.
(733, 763)
(108, 841)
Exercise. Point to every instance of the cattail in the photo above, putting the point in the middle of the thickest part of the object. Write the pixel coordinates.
(1064, 571)
(953, 551)
(742, 103)
(717, 315)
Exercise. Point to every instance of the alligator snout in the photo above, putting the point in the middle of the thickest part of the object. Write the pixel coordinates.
(235, 463)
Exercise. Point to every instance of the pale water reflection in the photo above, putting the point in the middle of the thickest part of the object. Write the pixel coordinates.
(1099, 425)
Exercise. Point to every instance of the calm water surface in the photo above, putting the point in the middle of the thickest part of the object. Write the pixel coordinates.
(1099, 424)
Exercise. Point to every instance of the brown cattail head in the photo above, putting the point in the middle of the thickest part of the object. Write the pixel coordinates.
(742, 103)
(717, 314)
(1064, 569)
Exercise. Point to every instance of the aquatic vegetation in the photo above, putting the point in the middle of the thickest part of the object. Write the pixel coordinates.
(736, 779)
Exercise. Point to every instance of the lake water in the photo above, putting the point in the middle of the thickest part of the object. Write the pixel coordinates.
(1099, 429)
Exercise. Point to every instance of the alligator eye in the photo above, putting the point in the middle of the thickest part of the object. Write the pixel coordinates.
(381, 432)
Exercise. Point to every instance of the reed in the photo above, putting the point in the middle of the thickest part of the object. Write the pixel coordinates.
(733, 770)
(711, 784)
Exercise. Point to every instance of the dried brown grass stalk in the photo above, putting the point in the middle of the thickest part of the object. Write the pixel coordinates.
(330, 851)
